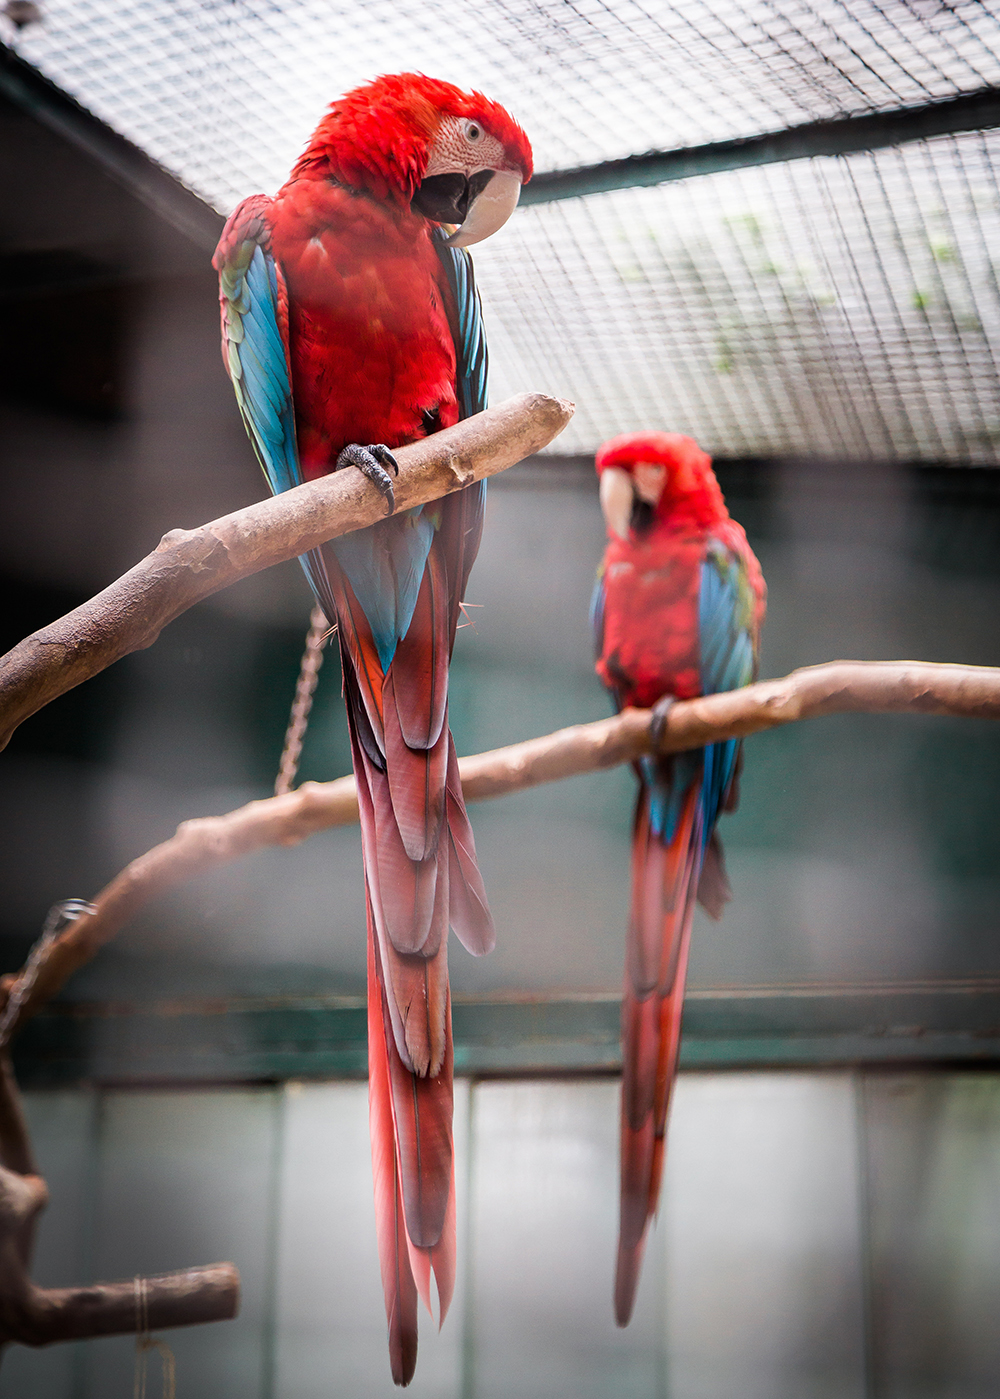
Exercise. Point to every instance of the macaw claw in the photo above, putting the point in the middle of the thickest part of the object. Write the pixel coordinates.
(371, 461)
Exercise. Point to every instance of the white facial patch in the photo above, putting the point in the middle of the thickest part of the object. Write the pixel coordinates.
(464, 146)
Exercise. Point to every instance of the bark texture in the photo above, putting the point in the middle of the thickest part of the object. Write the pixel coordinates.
(188, 565)
(34, 1316)
(875, 687)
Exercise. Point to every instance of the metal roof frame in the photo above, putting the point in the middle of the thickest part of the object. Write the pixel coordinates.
(977, 111)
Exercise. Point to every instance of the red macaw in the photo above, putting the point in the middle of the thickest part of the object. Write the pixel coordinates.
(350, 316)
(678, 607)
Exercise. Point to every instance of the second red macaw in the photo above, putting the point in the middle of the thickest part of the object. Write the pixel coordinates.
(677, 613)
(351, 324)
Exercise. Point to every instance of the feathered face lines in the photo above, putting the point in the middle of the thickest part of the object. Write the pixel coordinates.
(400, 133)
(470, 180)
(464, 145)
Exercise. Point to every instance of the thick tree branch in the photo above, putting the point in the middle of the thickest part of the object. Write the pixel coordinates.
(40, 1315)
(36, 1316)
(878, 687)
(189, 565)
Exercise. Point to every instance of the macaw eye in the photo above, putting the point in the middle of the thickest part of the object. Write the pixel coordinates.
(473, 131)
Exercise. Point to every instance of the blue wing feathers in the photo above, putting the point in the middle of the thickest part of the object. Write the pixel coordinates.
(259, 363)
(265, 372)
(597, 615)
(727, 663)
(471, 355)
(385, 565)
(265, 393)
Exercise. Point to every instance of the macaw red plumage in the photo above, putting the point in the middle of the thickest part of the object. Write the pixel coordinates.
(677, 613)
(350, 317)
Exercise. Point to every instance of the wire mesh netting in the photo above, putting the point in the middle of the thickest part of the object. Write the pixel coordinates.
(844, 305)
(225, 92)
(841, 305)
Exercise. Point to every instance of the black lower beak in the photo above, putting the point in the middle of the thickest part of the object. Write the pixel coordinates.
(446, 198)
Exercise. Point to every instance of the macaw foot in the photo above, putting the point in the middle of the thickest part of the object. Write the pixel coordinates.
(658, 723)
(372, 461)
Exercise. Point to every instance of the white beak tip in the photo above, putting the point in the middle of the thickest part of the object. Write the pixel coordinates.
(617, 498)
(489, 211)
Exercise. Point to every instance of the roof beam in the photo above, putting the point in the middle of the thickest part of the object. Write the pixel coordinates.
(323, 1035)
(27, 89)
(974, 111)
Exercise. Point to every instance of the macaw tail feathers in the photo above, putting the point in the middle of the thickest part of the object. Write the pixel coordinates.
(412, 1159)
(421, 876)
(398, 1283)
(664, 885)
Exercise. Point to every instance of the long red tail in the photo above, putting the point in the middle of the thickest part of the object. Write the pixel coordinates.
(407, 1113)
(664, 885)
(420, 876)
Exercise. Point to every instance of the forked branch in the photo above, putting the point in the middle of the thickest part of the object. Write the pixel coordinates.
(34, 1316)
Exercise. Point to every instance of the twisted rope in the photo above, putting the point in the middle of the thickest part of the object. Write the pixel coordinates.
(144, 1343)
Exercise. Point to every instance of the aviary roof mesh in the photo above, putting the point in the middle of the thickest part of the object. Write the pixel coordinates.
(842, 305)
(845, 306)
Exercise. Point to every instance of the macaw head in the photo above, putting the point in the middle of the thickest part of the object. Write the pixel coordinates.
(455, 157)
(657, 475)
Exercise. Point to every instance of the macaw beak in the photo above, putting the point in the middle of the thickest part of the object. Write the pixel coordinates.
(489, 208)
(617, 499)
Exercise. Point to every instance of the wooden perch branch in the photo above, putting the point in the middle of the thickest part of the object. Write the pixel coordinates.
(34, 1316)
(886, 687)
(188, 565)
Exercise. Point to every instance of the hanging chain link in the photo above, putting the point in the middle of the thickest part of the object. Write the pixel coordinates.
(298, 719)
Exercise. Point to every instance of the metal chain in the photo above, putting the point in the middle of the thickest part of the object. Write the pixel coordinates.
(298, 719)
